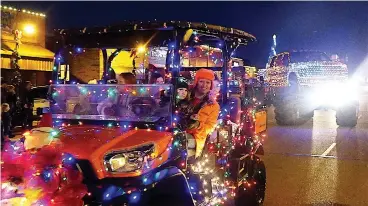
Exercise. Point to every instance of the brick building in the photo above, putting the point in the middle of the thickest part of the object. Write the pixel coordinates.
(36, 61)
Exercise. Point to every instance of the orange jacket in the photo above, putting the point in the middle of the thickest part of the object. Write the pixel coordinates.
(207, 117)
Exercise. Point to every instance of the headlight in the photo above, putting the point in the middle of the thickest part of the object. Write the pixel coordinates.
(117, 162)
(336, 94)
(128, 160)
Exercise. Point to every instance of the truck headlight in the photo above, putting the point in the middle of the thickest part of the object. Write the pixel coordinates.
(128, 160)
(335, 94)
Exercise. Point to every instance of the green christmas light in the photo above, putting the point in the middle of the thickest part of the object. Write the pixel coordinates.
(83, 90)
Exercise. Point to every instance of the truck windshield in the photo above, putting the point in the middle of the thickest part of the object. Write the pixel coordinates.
(308, 57)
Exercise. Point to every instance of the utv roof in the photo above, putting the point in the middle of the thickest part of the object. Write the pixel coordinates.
(130, 33)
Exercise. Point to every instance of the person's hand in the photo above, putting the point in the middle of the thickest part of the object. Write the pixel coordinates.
(193, 125)
(194, 117)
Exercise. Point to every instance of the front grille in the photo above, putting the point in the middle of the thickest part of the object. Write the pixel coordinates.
(322, 71)
(313, 73)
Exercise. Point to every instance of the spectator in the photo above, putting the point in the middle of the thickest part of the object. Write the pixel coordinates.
(6, 122)
(3, 91)
(11, 98)
(27, 104)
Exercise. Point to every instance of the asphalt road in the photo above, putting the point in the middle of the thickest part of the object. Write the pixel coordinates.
(318, 163)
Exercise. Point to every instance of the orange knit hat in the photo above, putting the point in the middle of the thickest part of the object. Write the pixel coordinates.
(204, 74)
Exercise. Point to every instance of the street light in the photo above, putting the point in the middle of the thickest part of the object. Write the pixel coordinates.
(141, 49)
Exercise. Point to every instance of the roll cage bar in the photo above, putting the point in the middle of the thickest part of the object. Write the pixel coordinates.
(152, 33)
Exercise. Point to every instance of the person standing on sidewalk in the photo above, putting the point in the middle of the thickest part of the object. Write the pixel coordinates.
(27, 104)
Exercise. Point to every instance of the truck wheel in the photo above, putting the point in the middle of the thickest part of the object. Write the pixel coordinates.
(286, 112)
(289, 107)
(253, 193)
(347, 116)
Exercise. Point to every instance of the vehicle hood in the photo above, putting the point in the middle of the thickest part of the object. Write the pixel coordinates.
(91, 142)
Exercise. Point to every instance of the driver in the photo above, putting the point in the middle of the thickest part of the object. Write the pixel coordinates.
(115, 106)
(204, 108)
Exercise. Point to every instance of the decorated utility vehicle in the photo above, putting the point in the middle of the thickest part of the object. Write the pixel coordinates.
(126, 140)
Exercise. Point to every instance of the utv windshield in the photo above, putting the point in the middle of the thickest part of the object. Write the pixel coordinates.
(122, 103)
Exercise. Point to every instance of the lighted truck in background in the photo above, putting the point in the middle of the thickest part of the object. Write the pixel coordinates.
(302, 81)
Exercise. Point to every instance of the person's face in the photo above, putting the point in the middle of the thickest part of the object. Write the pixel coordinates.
(11, 89)
(29, 86)
(121, 80)
(160, 80)
(204, 86)
(182, 93)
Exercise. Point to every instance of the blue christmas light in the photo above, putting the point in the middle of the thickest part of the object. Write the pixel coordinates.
(47, 175)
(78, 50)
(68, 159)
(135, 197)
(112, 192)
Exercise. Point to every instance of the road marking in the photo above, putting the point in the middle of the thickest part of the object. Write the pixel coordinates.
(328, 150)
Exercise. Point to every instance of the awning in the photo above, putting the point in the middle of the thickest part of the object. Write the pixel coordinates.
(26, 50)
(29, 64)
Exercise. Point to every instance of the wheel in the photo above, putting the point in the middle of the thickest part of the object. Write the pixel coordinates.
(347, 116)
(290, 108)
(253, 192)
(269, 97)
(171, 191)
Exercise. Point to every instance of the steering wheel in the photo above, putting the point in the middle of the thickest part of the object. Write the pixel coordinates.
(143, 106)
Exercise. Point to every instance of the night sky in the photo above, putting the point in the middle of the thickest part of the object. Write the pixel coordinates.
(333, 27)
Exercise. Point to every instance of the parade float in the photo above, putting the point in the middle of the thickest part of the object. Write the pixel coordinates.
(302, 81)
(88, 154)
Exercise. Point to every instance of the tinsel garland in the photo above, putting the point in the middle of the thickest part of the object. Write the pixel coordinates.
(38, 176)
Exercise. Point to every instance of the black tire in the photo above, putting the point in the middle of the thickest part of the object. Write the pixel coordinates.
(347, 116)
(254, 194)
(290, 108)
(171, 191)
(269, 99)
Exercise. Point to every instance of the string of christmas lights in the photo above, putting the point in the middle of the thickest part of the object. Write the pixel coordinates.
(39, 174)
(9, 8)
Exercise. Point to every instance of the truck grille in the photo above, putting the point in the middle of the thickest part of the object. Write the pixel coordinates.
(320, 72)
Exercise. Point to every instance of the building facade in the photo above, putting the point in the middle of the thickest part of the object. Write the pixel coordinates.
(36, 61)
